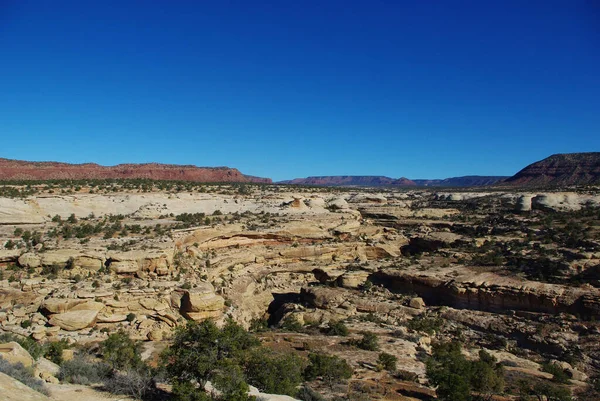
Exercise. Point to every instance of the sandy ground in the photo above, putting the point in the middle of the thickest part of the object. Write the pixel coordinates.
(76, 392)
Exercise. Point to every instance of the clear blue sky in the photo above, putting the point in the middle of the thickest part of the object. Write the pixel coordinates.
(285, 89)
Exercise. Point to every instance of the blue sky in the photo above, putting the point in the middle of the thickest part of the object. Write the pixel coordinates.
(285, 89)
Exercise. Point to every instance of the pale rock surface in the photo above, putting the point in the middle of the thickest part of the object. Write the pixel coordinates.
(14, 353)
(74, 320)
(417, 303)
(30, 259)
(59, 305)
(9, 255)
(201, 303)
(13, 390)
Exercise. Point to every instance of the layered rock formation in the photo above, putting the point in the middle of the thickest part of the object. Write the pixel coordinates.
(560, 170)
(465, 181)
(461, 288)
(351, 181)
(25, 170)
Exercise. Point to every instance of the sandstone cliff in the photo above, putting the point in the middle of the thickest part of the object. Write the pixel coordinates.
(25, 170)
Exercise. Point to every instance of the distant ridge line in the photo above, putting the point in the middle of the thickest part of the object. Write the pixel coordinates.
(28, 170)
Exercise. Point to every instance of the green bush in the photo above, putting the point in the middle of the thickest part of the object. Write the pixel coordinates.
(26, 324)
(54, 350)
(425, 324)
(387, 361)
(456, 377)
(259, 325)
(369, 342)
(337, 328)
(330, 368)
(274, 373)
(201, 352)
(559, 375)
(291, 323)
(120, 351)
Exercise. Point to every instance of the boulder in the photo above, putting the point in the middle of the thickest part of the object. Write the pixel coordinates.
(417, 303)
(201, 303)
(124, 266)
(353, 279)
(269, 397)
(89, 262)
(30, 259)
(74, 320)
(89, 305)
(43, 365)
(59, 257)
(155, 335)
(338, 204)
(14, 353)
(59, 305)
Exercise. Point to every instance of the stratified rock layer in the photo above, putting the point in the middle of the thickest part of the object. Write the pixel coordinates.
(25, 170)
(560, 169)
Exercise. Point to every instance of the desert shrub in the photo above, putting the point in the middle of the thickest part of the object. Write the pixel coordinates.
(83, 370)
(406, 375)
(229, 379)
(330, 368)
(120, 351)
(291, 323)
(455, 376)
(274, 373)
(137, 383)
(371, 317)
(559, 375)
(26, 324)
(369, 342)
(201, 352)
(543, 391)
(54, 350)
(307, 394)
(131, 317)
(425, 324)
(387, 361)
(337, 328)
(259, 325)
(24, 375)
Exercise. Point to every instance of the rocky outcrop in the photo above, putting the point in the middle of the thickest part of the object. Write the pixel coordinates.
(158, 262)
(201, 303)
(560, 170)
(14, 353)
(74, 320)
(490, 292)
(13, 390)
(25, 170)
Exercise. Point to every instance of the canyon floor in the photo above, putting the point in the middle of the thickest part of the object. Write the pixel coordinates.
(514, 273)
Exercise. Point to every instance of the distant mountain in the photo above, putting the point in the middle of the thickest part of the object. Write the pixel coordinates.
(25, 170)
(351, 181)
(560, 170)
(466, 181)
